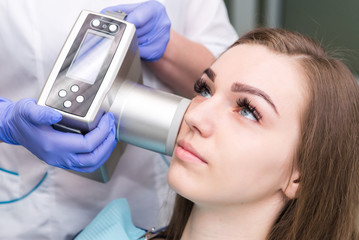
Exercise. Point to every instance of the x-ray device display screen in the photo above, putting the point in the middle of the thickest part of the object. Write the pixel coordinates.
(91, 55)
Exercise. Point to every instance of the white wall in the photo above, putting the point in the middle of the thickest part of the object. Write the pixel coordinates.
(243, 14)
(273, 13)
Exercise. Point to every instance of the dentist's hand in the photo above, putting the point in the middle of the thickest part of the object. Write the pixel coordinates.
(28, 124)
(152, 27)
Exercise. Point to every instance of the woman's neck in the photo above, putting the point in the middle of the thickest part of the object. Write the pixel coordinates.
(245, 221)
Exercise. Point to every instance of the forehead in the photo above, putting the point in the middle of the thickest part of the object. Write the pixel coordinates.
(256, 61)
(280, 76)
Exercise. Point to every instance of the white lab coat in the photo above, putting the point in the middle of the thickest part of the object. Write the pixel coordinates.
(42, 202)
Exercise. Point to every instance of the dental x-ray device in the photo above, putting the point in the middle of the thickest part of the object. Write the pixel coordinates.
(99, 70)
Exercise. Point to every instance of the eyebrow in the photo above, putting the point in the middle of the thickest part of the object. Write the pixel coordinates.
(240, 87)
(211, 75)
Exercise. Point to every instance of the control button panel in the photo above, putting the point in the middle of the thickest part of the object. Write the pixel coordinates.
(63, 93)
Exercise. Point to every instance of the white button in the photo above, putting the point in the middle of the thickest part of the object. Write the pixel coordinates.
(112, 28)
(96, 23)
(75, 88)
(67, 104)
(80, 99)
(62, 93)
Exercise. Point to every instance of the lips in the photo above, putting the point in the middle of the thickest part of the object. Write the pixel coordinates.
(187, 153)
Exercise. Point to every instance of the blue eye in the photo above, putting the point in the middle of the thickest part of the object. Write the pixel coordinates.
(202, 88)
(205, 93)
(248, 111)
(248, 114)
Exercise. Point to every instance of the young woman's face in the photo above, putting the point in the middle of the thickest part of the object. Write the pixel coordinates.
(238, 137)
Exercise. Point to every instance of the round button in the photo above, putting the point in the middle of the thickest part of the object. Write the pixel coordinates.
(96, 23)
(62, 93)
(80, 99)
(67, 104)
(112, 28)
(75, 88)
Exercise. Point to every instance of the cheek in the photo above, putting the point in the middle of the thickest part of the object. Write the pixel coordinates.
(252, 168)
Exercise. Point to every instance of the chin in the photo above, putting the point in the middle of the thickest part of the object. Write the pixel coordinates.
(178, 181)
(175, 178)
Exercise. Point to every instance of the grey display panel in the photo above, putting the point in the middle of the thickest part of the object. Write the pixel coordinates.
(90, 57)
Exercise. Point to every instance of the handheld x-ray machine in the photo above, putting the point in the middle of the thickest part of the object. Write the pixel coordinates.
(99, 70)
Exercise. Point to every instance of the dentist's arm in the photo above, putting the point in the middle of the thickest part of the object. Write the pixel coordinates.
(176, 61)
(28, 124)
(182, 63)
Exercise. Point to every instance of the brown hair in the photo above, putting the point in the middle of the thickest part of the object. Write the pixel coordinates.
(326, 206)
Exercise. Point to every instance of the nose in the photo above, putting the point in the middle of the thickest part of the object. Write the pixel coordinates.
(200, 116)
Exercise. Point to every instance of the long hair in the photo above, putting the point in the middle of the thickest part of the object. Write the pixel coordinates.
(327, 156)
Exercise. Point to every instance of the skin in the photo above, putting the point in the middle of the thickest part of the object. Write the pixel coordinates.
(178, 68)
(237, 169)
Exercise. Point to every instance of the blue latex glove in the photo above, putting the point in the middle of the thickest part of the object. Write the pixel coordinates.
(152, 27)
(28, 124)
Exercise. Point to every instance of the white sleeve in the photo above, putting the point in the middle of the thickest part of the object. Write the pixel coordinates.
(206, 22)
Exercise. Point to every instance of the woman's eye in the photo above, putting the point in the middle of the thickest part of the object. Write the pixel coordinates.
(245, 112)
(248, 110)
(202, 88)
(205, 93)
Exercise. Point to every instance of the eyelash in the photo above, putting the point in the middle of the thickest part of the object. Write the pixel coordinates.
(244, 103)
(200, 86)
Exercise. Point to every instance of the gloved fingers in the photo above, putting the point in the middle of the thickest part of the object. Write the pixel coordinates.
(153, 48)
(149, 18)
(77, 143)
(159, 40)
(143, 15)
(151, 54)
(132, 17)
(28, 110)
(66, 161)
(23, 119)
(49, 144)
(140, 18)
(144, 18)
(89, 162)
(60, 156)
(152, 27)
(40, 115)
(94, 138)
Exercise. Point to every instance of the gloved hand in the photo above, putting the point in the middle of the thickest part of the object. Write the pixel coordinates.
(28, 124)
(152, 27)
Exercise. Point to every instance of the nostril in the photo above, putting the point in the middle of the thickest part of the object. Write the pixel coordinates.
(197, 129)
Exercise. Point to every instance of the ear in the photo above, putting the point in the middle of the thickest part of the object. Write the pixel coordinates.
(291, 188)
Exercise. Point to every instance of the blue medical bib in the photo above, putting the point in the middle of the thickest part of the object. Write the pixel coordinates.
(113, 222)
